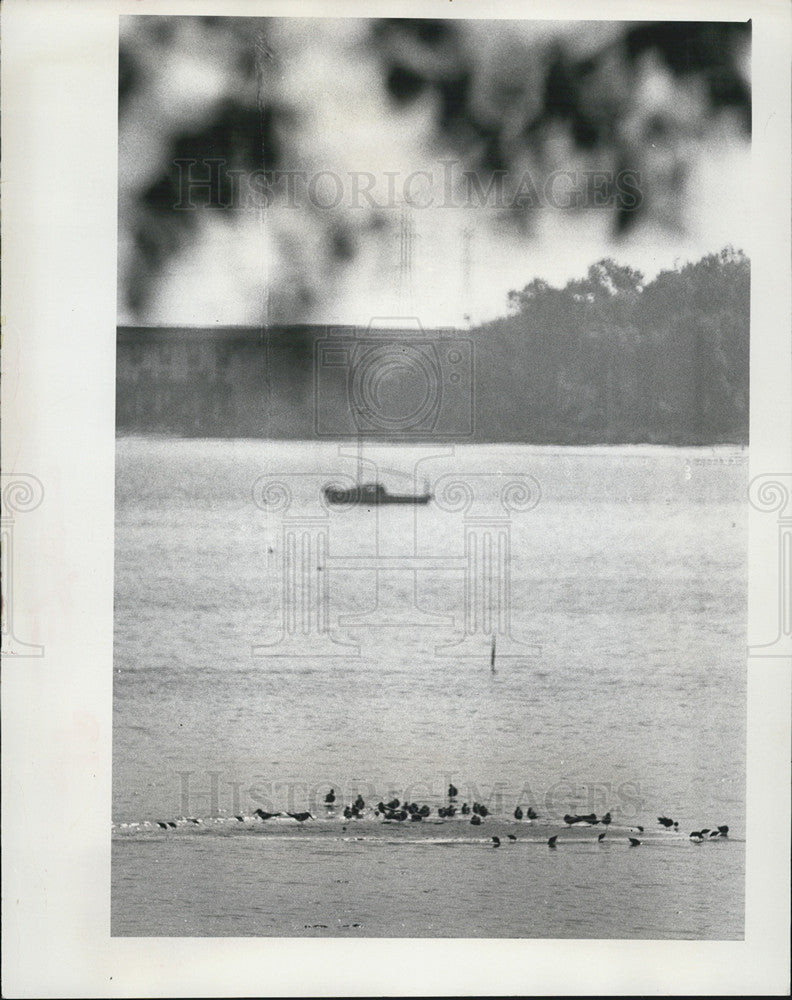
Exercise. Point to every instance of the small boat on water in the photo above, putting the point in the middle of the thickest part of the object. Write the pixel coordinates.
(370, 494)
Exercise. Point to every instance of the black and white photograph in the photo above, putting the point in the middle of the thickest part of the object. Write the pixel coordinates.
(436, 414)
(432, 423)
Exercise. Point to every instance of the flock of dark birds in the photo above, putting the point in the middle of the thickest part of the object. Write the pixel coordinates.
(590, 819)
(397, 811)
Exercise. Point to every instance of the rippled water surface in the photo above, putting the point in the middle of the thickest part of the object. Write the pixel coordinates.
(620, 686)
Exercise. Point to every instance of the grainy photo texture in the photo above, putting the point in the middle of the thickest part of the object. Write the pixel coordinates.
(431, 478)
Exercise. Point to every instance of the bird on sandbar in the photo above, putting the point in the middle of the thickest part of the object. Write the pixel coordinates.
(634, 842)
(532, 814)
(511, 836)
(465, 810)
(665, 821)
(171, 824)
(601, 837)
(330, 797)
(606, 819)
(163, 825)
(475, 820)
(453, 791)
(696, 836)
(301, 817)
(723, 831)
(265, 815)
(574, 820)
(518, 813)
(552, 841)
(240, 818)
(496, 841)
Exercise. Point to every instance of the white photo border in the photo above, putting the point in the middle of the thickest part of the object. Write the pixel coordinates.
(59, 91)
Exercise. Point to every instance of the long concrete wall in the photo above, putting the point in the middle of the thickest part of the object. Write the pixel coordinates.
(305, 381)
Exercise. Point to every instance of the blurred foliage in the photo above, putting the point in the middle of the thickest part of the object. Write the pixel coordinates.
(506, 96)
(492, 107)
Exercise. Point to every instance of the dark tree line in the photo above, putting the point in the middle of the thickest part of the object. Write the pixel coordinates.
(610, 358)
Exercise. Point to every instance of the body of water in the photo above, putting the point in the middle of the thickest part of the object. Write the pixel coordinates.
(268, 648)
